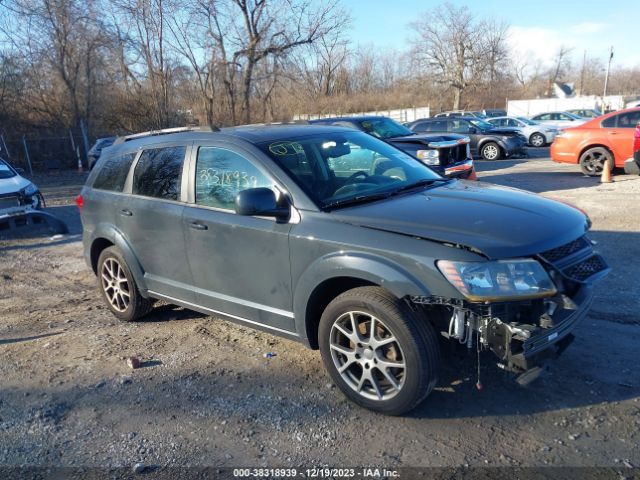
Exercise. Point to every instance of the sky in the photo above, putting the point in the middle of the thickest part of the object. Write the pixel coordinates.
(537, 28)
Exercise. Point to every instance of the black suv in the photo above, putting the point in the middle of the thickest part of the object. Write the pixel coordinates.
(336, 239)
(447, 154)
(487, 141)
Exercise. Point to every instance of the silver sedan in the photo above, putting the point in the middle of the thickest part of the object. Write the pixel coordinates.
(537, 134)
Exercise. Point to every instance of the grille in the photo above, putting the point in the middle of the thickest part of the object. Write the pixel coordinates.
(449, 155)
(565, 250)
(9, 202)
(587, 268)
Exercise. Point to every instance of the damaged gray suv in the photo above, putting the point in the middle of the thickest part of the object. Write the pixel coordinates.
(338, 240)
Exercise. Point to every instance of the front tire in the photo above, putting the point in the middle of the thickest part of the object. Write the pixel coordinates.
(118, 287)
(592, 161)
(378, 351)
(491, 151)
(537, 140)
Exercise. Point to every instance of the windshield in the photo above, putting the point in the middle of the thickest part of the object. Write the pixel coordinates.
(342, 168)
(482, 124)
(527, 121)
(385, 128)
(5, 170)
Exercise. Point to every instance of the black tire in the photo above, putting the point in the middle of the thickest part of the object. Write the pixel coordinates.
(592, 161)
(115, 294)
(537, 140)
(491, 151)
(414, 342)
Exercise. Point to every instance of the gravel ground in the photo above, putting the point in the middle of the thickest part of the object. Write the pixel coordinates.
(207, 397)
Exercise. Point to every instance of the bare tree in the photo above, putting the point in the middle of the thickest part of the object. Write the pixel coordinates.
(457, 48)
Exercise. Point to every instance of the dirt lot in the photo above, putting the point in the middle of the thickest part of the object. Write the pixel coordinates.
(207, 396)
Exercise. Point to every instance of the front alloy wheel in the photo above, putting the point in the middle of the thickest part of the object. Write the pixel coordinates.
(367, 355)
(490, 151)
(383, 355)
(537, 140)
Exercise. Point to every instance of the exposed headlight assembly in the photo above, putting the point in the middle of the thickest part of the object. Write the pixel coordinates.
(30, 190)
(499, 280)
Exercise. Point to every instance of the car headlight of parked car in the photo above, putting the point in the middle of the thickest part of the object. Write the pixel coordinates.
(30, 190)
(429, 157)
(498, 280)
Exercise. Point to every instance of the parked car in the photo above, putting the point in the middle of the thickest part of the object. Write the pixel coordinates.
(487, 141)
(17, 194)
(459, 113)
(559, 119)
(447, 154)
(586, 112)
(609, 137)
(537, 134)
(94, 152)
(494, 112)
(336, 239)
(632, 165)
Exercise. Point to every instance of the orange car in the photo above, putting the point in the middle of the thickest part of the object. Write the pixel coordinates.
(609, 137)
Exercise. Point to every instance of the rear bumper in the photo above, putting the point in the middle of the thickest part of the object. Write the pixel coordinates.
(632, 165)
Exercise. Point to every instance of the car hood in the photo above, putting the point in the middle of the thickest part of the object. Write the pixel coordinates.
(500, 222)
(13, 184)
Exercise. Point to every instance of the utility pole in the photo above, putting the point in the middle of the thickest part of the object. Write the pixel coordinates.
(606, 78)
(584, 61)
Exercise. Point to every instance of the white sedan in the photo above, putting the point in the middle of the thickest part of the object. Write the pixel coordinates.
(537, 134)
(17, 194)
(559, 119)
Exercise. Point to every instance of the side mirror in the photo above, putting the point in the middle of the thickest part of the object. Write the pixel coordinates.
(473, 130)
(19, 171)
(260, 202)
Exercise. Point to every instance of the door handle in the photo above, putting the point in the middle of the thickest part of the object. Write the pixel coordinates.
(125, 212)
(198, 226)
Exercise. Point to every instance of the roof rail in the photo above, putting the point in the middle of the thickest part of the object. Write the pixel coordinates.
(164, 131)
(269, 124)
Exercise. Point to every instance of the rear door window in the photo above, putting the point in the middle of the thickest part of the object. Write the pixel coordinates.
(221, 174)
(158, 173)
(114, 171)
(629, 119)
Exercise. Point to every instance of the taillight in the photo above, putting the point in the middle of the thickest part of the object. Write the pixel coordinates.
(636, 139)
(80, 202)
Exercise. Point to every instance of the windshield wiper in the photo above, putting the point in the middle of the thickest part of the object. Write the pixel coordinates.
(357, 200)
(420, 183)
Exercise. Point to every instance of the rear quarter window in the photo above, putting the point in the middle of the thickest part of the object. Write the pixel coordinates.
(113, 173)
(158, 173)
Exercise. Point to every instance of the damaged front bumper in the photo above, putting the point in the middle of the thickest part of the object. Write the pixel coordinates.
(525, 334)
(521, 347)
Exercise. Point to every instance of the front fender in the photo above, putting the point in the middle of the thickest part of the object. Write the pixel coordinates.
(355, 265)
(113, 235)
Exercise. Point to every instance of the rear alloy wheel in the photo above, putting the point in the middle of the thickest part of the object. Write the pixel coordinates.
(491, 151)
(592, 161)
(119, 288)
(377, 351)
(537, 140)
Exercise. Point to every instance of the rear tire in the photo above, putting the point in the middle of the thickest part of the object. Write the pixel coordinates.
(389, 368)
(491, 151)
(118, 287)
(592, 161)
(537, 140)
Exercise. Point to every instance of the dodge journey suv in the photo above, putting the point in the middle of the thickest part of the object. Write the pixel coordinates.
(334, 238)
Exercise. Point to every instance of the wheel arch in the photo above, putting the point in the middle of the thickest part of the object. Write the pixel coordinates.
(597, 145)
(329, 276)
(107, 236)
